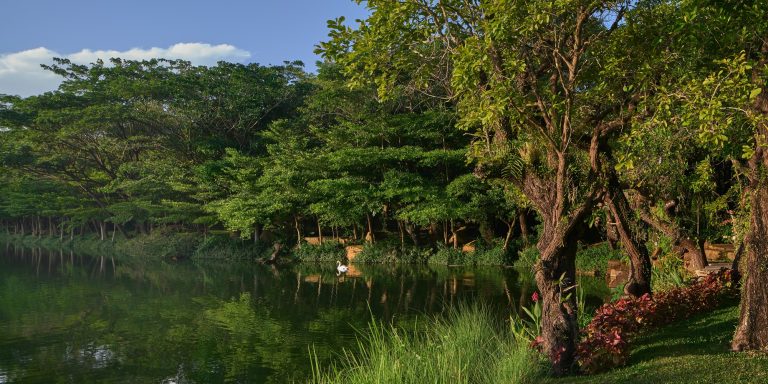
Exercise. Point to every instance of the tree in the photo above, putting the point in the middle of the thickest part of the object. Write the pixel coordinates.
(526, 79)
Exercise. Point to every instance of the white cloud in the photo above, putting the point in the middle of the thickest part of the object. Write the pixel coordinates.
(20, 72)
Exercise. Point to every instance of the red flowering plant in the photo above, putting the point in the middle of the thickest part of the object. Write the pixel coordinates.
(605, 341)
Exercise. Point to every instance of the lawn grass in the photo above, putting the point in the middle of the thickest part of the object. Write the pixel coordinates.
(690, 351)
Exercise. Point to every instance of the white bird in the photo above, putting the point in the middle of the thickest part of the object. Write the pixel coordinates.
(341, 268)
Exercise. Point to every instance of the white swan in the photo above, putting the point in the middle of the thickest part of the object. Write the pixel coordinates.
(341, 268)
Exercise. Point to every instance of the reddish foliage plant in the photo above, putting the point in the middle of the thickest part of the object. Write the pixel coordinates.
(605, 341)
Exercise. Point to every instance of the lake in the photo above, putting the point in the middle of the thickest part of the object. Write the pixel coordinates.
(69, 318)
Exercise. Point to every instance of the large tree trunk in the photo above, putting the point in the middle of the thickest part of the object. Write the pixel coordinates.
(555, 278)
(640, 263)
(752, 331)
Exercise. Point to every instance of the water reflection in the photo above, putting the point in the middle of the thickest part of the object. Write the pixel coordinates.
(101, 319)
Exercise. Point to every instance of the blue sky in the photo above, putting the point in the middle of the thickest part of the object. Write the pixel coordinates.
(261, 31)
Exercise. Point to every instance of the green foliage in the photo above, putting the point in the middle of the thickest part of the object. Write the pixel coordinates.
(226, 248)
(329, 251)
(527, 258)
(595, 257)
(392, 252)
(445, 255)
(668, 272)
(494, 253)
(467, 346)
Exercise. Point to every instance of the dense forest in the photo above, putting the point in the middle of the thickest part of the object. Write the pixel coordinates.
(431, 124)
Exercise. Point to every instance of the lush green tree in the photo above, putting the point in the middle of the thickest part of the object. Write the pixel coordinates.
(528, 81)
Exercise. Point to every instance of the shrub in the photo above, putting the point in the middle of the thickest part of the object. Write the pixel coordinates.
(595, 257)
(493, 253)
(605, 341)
(446, 255)
(224, 247)
(527, 258)
(163, 244)
(328, 251)
(387, 251)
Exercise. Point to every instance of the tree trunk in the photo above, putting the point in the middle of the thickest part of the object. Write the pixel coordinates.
(454, 235)
(555, 278)
(639, 282)
(256, 234)
(298, 231)
(522, 217)
(413, 233)
(508, 237)
(369, 237)
(752, 331)
(319, 232)
(736, 265)
(684, 246)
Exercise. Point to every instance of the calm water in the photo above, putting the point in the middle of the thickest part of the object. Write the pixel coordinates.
(67, 318)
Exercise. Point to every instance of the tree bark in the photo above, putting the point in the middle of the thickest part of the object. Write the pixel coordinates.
(319, 232)
(752, 331)
(454, 235)
(639, 282)
(523, 218)
(681, 244)
(369, 237)
(555, 278)
(298, 231)
(510, 229)
(412, 232)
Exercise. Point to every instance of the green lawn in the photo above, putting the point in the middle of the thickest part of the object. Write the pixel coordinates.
(691, 351)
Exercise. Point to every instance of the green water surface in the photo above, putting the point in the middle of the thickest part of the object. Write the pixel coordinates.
(68, 318)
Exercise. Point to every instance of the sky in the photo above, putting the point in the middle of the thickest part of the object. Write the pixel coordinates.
(203, 32)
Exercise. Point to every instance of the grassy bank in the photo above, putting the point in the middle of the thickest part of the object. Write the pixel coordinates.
(467, 347)
(692, 351)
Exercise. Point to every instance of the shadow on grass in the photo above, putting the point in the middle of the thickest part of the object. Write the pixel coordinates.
(701, 335)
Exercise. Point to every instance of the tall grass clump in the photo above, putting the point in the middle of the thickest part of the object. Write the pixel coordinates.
(465, 346)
